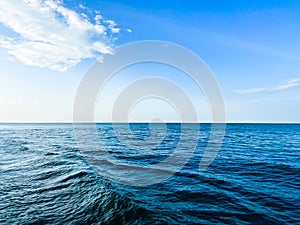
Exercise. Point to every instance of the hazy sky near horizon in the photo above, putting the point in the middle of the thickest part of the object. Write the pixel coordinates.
(252, 47)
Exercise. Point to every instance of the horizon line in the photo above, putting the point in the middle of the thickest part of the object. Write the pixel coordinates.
(147, 122)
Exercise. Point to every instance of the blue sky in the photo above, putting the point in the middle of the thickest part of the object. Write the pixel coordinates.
(251, 46)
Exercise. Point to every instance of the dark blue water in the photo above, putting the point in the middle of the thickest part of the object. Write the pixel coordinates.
(255, 178)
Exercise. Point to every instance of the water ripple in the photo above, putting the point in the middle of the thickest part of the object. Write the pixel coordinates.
(254, 180)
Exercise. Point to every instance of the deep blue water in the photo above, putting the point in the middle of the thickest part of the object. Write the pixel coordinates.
(45, 178)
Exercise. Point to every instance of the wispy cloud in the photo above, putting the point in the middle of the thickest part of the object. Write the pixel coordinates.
(285, 86)
(48, 34)
(13, 102)
(250, 90)
(290, 84)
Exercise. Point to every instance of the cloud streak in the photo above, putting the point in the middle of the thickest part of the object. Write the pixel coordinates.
(250, 90)
(47, 34)
(289, 85)
(285, 86)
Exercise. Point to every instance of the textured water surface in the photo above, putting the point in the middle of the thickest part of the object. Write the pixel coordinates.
(255, 178)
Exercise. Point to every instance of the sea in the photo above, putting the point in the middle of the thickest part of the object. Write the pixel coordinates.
(46, 178)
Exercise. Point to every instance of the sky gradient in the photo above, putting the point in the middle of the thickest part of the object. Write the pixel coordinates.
(252, 47)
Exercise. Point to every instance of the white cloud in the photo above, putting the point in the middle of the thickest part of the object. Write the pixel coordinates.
(250, 90)
(285, 86)
(83, 7)
(112, 26)
(290, 84)
(48, 34)
(13, 102)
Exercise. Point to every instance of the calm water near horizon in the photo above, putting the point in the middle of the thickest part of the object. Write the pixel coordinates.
(255, 178)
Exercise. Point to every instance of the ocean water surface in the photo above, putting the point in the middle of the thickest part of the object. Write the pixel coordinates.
(255, 178)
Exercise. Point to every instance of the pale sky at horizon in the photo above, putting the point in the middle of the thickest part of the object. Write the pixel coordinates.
(252, 47)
